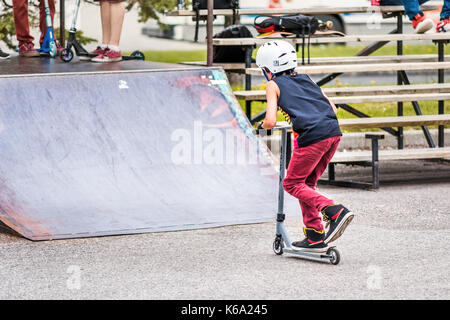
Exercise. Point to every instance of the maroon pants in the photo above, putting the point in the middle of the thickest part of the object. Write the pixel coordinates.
(306, 166)
(20, 9)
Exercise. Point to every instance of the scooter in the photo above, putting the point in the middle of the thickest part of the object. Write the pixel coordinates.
(72, 42)
(282, 243)
(49, 44)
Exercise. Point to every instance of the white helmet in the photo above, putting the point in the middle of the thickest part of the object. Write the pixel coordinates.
(276, 56)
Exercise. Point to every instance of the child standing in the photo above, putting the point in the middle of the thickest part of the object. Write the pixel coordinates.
(112, 14)
(313, 118)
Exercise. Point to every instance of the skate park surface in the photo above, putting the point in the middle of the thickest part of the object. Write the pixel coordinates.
(394, 249)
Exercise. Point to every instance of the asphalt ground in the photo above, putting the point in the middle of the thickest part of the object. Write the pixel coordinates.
(396, 248)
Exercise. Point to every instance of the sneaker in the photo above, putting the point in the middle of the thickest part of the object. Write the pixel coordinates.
(443, 25)
(314, 241)
(4, 55)
(422, 24)
(108, 56)
(94, 53)
(26, 49)
(338, 218)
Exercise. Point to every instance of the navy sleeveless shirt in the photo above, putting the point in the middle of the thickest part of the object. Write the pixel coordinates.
(309, 110)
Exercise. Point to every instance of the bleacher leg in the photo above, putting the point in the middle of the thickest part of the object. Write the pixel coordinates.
(331, 172)
(399, 81)
(248, 110)
(248, 80)
(375, 167)
(441, 103)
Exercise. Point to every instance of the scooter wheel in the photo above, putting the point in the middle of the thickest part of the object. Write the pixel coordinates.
(66, 55)
(278, 247)
(335, 256)
(138, 55)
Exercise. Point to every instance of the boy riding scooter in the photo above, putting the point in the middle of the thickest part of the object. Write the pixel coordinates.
(313, 118)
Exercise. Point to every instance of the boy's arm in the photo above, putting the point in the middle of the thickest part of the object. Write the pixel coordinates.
(333, 106)
(272, 93)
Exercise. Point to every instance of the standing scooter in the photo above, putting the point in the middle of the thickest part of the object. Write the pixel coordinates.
(282, 242)
(49, 44)
(67, 53)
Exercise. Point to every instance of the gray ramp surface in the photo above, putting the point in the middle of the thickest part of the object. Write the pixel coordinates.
(128, 152)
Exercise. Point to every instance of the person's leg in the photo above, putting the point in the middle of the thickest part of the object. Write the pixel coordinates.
(20, 12)
(117, 17)
(444, 24)
(105, 17)
(338, 216)
(112, 20)
(420, 23)
(303, 162)
(445, 12)
(105, 13)
(42, 17)
(311, 217)
(411, 8)
(301, 179)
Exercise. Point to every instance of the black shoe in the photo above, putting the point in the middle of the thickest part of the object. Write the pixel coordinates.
(4, 55)
(313, 242)
(338, 218)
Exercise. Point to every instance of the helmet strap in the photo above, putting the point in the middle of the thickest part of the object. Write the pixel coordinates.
(265, 75)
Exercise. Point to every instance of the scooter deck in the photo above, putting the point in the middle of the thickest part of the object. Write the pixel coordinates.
(329, 254)
(89, 56)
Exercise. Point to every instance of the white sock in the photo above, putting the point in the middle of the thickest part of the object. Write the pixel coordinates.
(113, 48)
(103, 46)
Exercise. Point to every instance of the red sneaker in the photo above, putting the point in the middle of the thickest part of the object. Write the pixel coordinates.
(443, 25)
(26, 49)
(94, 53)
(108, 56)
(422, 24)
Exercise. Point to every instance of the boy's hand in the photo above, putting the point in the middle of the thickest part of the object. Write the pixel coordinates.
(259, 127)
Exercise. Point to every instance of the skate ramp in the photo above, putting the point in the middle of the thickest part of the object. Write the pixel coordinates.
(97, 154)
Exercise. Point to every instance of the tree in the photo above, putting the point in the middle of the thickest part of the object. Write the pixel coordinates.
(147, 9)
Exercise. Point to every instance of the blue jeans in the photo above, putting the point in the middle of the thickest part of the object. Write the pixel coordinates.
(412, 8)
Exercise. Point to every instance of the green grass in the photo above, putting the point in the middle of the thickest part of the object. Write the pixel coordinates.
(175, 56)
(316, 51)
